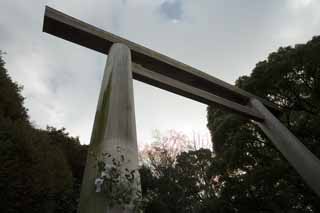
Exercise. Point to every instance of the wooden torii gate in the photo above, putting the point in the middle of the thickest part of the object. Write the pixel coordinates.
(115, 121)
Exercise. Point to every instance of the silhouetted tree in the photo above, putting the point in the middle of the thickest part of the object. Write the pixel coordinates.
(11, 101)
(253, 175)
(181, 185)
(40, 170)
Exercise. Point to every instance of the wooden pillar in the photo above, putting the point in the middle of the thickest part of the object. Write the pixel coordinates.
(114, 127)
(304, 161)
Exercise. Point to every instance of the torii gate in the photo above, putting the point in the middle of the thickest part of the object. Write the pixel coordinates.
(115, 119)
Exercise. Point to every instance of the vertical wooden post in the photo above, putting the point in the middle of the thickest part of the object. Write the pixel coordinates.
(304, 161)
(114, 127)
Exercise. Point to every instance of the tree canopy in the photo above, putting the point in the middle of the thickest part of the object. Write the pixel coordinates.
(255, 176)
(11, 104)
(39, 171)
(246, 173)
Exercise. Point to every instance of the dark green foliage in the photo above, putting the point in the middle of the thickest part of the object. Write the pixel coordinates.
(40, 170)
(157, 206)
(180, 186)
(255, 176)
(11, 101)
(74, 153)
(247, 173)
(34, 176)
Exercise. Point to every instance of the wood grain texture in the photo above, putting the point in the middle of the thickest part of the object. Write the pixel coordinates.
(304, 161)
(79, 32)
(114, 127)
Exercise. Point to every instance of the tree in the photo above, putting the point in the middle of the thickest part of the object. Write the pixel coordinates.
(11, 101)
(174, 176)
(75, 155)
(182, 185)
(172, 143)
(40, 170)
(34, 175)
(253, 175)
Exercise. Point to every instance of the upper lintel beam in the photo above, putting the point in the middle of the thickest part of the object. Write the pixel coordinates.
(74, 30)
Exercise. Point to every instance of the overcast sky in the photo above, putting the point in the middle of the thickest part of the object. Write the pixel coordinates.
(224, 38)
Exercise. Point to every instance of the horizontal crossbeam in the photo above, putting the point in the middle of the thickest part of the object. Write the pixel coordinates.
(74, 30)
(193, 93)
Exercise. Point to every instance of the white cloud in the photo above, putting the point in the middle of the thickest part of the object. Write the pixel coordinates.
(298, 4)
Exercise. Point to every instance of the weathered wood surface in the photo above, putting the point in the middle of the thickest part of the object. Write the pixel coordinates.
(74, 30)
(304, 161)
(114, 126)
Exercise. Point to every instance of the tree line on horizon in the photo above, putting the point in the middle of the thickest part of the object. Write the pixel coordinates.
(41, 169)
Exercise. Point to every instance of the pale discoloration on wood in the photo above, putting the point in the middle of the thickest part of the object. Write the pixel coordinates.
(304, 161)
(114, 126)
